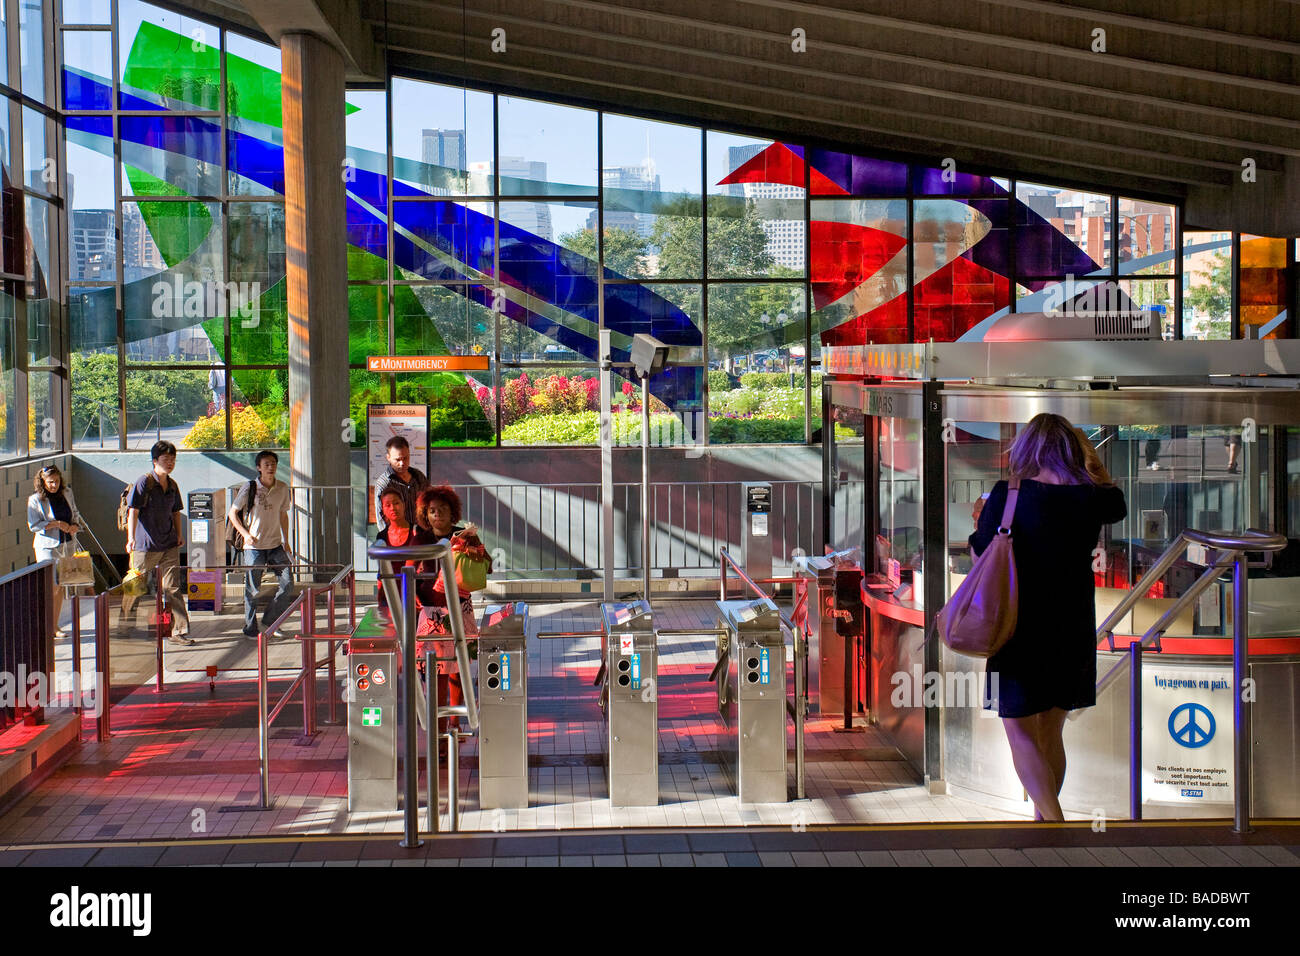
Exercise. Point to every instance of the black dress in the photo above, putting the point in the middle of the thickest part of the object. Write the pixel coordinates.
(1051, 659)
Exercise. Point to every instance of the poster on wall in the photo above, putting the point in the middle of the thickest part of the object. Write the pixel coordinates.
(384, 422)
(1186, 734)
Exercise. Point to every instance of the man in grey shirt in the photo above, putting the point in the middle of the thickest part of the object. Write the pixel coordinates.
(263, 527)
(400, 476)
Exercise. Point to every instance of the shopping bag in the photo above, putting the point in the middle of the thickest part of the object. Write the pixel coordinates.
(75, 571)
(471, 562)
(980, 617)
(135, 583)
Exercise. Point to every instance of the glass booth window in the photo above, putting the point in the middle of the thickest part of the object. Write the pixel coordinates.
(900, 535)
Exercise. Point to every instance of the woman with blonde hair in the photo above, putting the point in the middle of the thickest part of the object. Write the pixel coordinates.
(54, 520)
(1049, 666)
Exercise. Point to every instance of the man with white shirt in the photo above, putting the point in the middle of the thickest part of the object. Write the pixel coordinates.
(260, 514)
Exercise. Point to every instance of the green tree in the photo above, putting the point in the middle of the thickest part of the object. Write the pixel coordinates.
(1211, 295)
(625, 250)
(177, 396)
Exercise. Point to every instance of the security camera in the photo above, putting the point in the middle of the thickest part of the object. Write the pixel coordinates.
(649, 355)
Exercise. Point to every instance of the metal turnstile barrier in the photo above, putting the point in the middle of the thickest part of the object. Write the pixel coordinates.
(752, 698)
(630, 695)
(503, 707)
(836, 634)
(399, 589)
(372, 715)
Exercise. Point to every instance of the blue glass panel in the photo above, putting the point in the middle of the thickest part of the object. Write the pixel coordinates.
(82, 92)
(257, 161)
(930, 182)
(633, 309)
(184, 152)
(856, 175)
(442, 240)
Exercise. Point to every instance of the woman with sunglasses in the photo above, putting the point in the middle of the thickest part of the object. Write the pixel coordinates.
(53, 518)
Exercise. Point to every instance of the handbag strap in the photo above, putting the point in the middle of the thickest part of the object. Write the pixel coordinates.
(1009, 510)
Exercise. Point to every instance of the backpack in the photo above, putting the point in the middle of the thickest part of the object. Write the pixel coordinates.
(123, 509)
(232, 533)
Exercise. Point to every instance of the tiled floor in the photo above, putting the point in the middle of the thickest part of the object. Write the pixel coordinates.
(1125, 845)
(183, 764)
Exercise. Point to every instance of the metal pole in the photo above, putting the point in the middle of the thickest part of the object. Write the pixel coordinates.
(76, 658)
(1135, 732)
(263, 742)
(102, 665)
(645, 487)
(800, 692)
(157, 629)
(850, 647)
(331, 673)
(453, 779)
(410, 768)
(308, 668)
(352, 601)
(431, 767)
(606, 472)
(1241, 710)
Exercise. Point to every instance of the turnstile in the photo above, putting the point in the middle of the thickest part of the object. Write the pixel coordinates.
(631, 696)
(503, 707)
(372, 715)
(835, 629)
(751, 698)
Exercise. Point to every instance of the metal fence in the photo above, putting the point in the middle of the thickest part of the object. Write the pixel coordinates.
(26, 644)
(536, 530)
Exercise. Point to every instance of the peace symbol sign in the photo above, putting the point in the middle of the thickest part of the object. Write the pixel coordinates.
(1191, 725)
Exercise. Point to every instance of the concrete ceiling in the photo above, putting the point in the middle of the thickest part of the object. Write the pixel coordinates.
(1169, 99)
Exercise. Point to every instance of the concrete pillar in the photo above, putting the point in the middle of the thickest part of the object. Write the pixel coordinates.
(316, 258)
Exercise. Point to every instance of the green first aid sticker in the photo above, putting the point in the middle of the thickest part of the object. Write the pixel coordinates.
(372, 716)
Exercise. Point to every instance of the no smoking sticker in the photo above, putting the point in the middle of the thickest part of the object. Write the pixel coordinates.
(378, 676)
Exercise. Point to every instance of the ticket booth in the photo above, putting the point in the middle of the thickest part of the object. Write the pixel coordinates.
(1198, 435)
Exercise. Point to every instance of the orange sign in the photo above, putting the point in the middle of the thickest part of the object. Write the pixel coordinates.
(427, 363)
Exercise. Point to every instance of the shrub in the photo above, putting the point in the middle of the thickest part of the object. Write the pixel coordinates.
(765, 380)
(514, 399)
(726, 431)
(580, 429)
(560, 395)
(246, 427)
(719, 381)
(739, 401)
(782, 403)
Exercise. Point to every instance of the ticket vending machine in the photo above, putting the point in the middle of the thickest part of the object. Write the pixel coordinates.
(756, 529)
(372, 715)
(206, 549)
(751, 698)
(503, 707)
(631, 695)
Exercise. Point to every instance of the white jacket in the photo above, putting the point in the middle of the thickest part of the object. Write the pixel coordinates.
(40, 513)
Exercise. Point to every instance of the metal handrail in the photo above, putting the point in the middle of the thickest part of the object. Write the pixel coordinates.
(1232, 548)
(304, 600)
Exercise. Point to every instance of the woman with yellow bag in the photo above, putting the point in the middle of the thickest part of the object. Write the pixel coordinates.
(54, 520)
(438, 513)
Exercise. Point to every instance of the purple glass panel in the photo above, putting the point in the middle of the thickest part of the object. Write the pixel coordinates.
(856, 175)
(930, 182)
